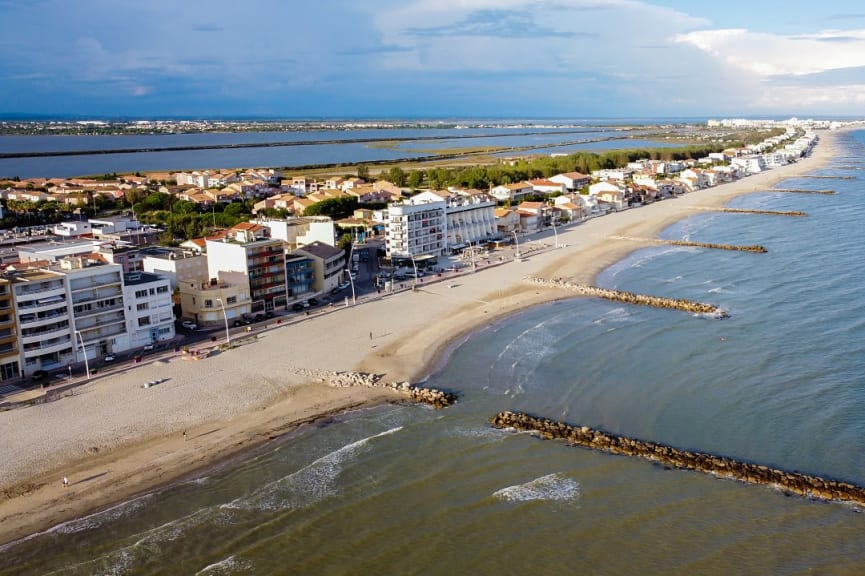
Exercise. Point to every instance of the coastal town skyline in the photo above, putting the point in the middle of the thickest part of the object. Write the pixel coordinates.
(433, 59)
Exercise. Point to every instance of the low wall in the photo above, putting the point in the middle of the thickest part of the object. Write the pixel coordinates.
(813, 487)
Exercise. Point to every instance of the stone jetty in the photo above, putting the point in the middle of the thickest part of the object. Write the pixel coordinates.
(767, 212)
(813, 487)
(631, 297)
(431, 396)
(801, 191)
(753, 248)
(826, 177)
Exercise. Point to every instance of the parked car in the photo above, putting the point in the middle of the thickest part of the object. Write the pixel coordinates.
(39, 376)
(313, 301)
(149, 346)
(297, 307)
(237, 323)
(270, 314)
(259, 317)
(109, 358)
(189, 325)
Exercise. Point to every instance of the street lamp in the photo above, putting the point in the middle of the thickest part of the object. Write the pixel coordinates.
(227, 336)
(351, 281)
(555, 232)
(413, 265)
(84, 350)
(517, 243)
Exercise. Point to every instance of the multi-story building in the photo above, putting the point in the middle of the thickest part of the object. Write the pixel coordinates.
(9, 361)
(149, 308)
(298, 232)
(328, 265)
(415, 227)
(177, 264)
(204, 302)
(299, 274)
(44, 316)
(96, 300)
(249, 257)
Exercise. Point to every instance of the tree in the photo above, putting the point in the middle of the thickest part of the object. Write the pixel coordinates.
(415, 178)
(396, 176)
(363, 172)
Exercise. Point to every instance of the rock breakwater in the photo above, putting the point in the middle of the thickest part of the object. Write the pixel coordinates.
(431, 396)
(801, 191)
(632, 298)
(807, 486)
(766, 212)
(733, 247)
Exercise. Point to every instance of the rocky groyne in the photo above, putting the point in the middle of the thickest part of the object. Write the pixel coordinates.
(801, 191)
(766, 212)
(804, 485)
(431, 396)
(631, 297)
(826, 177)
(736, 248)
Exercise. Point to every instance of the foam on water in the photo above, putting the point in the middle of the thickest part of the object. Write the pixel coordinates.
(308, 485)
(552, 487)
(230, 565)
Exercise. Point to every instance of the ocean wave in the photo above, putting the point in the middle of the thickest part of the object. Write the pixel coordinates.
(616, 316)
(310, 484)
(552, 487)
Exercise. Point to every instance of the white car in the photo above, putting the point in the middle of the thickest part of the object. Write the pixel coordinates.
(189, 324)
(109, 358)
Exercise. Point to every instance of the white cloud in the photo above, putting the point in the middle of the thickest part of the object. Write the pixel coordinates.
(773, 55)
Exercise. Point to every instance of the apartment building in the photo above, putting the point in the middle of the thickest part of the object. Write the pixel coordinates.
(150, 314)
(9, 352)
(415, 227)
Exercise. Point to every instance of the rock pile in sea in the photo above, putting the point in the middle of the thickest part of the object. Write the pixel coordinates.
(752, 248)
(804, 485)
(431, 396)
(631, 298)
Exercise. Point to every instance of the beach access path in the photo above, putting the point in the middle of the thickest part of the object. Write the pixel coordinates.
(115, 438)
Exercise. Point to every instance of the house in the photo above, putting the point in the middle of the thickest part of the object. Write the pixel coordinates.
(572, 180)
(507, 221)
(548, 187)
(516, 192)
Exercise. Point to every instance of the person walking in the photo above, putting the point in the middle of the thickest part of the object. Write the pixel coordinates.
(65, 482)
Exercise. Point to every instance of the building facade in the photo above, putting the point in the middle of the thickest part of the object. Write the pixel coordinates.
(149, 308)
(414, 229)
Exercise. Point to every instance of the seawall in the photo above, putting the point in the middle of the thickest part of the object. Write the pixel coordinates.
(804, 485)
(631, 297)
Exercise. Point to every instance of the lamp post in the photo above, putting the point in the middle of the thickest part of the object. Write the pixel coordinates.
(348, 271)
(225, 317)
(413, 265)
(84, 350)
(517, 243)
(555, 232)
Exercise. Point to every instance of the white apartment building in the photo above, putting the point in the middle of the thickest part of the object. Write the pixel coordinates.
(298, 232)
(44, 320)
(414, 228)
(96, 299)
(177, 264)
(255, 262)
(149, 308)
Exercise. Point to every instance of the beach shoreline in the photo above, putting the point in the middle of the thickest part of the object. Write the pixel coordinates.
(115, 440)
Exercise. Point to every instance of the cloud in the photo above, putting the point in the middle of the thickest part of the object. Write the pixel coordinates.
(770, 54)
(498, 23)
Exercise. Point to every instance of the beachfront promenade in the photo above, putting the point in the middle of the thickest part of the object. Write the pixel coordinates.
(115, 438)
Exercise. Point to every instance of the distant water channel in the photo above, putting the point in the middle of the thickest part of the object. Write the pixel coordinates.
(285, 156)
(409, 490)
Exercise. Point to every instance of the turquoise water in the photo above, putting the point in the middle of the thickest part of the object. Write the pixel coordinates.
(410, 490)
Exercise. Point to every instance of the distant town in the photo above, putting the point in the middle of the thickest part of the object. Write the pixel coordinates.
(101, 281)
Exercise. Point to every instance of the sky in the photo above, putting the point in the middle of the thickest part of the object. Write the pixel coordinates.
(432, 58)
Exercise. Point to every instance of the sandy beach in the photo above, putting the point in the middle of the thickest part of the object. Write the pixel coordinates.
(114, 438)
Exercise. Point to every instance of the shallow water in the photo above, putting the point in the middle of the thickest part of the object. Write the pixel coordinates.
(410, 490)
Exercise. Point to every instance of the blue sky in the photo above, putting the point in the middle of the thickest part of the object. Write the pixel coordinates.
(432, 58)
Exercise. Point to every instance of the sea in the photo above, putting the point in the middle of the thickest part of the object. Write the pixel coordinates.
(412, 490)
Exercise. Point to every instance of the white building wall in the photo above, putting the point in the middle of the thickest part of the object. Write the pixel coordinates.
(149, 310)
(415, 229)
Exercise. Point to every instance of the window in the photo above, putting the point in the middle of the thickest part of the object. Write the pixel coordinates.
(231, 300)
(143, 306)
(141, 293)
(208, 303)
(162, 290)
(144, 321)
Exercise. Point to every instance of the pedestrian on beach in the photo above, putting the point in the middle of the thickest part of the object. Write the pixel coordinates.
(370, 335)
(184, 435)
(65, 482)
